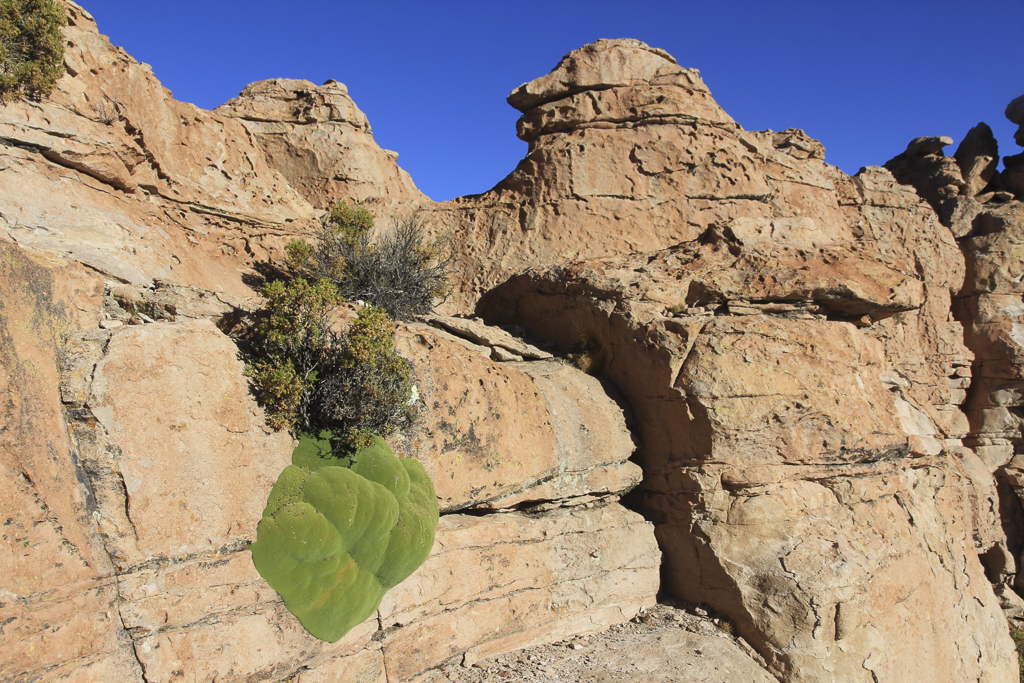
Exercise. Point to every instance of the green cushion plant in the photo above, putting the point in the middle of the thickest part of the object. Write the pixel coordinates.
(339, 531)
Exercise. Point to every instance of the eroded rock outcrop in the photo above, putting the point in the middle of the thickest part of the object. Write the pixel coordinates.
(112, 171)
(170, 463)
(137, 463)
(787, 347)
(780, 333)
(983, 208)
(58, 604)
(628, 153)
(319, 140)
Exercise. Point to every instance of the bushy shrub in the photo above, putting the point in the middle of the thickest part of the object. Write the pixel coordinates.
(31, 48)
(295, 344)
(587, 355)
(367, 388)
(1018, 641)
(309, 377)
(400, 271)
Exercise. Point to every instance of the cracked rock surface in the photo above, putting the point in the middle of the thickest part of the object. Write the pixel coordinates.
(174, 465)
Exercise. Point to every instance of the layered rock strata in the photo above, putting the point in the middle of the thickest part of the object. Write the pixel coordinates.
(628, 153)
(782, 333)
(113, 172)
(169, 464)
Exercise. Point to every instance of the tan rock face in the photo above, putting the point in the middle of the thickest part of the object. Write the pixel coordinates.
(502, 582)
(495, 434)
(58, 601)
(629, 154)
(319, 140)
(178, 463)
(174, 400)
(988, 221)
(115, 172)
(112, 171)
(794, 370)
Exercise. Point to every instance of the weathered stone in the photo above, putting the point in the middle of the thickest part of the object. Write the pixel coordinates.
(1012, 176)
(938, 179)
(58, 597)
(977, 156)
(599, 66)
(659, 646)
(502, 582)
(601, 181)
(928, 145)
(172, 396)
(1015, 112)
(112, 171)
(773, 439)
(500, 354)
(781, 333)
(180, 464)
(486, 335)
(495, 434)
(319, 140)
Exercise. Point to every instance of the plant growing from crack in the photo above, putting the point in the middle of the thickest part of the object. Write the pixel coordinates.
(339, 531)
(400, 270)
(347, 520)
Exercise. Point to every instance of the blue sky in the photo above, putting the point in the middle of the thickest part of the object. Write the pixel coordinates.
(863, 77)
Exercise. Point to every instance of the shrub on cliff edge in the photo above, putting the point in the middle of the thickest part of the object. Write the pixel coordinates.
(401, 270)
(31, 48)
(309, 377)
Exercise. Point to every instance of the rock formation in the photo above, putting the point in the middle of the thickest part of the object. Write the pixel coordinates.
(136, 464)
(813, 380)
(786, 345)
(984, 209)
(320, 141)
(114, 172)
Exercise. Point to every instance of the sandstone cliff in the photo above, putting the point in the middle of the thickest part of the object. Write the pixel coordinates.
(814, 380)
(136, 464)
(784, 336)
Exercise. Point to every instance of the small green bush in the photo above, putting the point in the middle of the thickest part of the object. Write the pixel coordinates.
(400, 271)
(368, 387)
(1018, 640)
(309, 377)
(587, 355)
(295, 344)
(31, 48)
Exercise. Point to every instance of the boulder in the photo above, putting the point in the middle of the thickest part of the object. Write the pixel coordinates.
(1015, 112)
(936, 178)
(499, 434)
(977, 156)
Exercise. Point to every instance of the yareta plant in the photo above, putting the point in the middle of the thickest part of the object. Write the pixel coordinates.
(339, 532)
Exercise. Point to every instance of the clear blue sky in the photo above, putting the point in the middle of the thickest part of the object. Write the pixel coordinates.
(864, 77)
